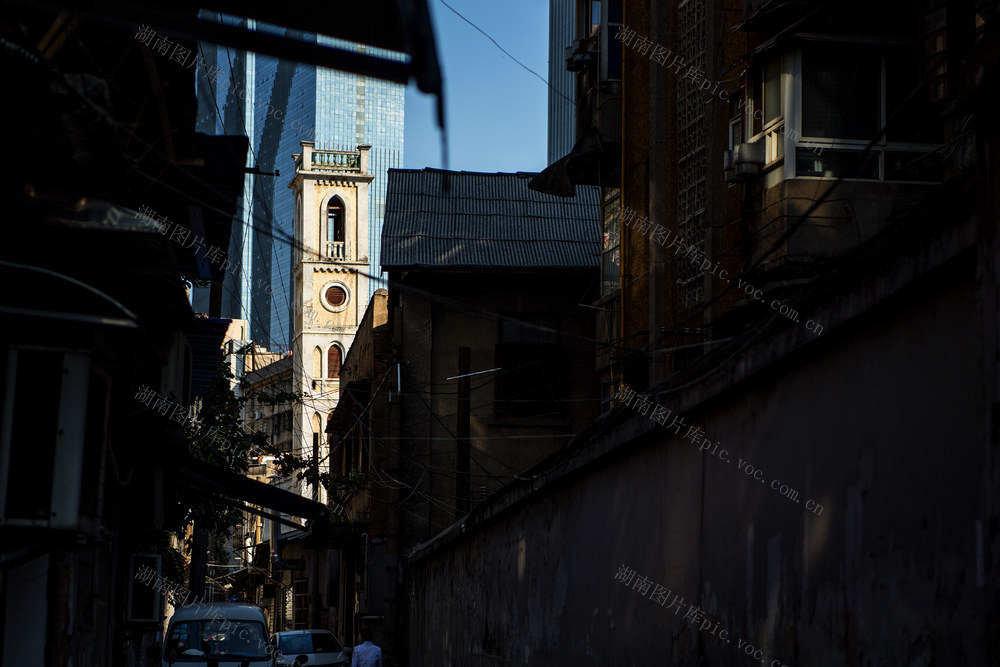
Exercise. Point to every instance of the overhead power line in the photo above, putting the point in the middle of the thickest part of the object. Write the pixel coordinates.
(508, 53)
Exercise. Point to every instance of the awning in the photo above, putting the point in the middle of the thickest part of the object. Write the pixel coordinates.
(582, 166)
(330, 535)
(220, 480)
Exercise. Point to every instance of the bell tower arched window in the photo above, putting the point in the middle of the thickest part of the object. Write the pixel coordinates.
(335, 229)
(333, 362)
(317, 363)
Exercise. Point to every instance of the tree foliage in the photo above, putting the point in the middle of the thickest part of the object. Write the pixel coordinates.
(220, 438)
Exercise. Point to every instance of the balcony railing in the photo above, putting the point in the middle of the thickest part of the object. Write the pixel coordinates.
(336, 250)
(336, 160)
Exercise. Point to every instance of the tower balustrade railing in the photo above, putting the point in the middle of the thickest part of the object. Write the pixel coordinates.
(336, 160)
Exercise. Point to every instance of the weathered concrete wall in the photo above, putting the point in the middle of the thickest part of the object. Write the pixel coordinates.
(876, 421)
(429, 337)
(415, 431)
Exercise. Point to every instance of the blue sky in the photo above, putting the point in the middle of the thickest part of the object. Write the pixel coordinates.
(495, 111)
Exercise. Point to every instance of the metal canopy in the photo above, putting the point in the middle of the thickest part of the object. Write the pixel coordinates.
(402, 26)
(220, 480)
(582, 166)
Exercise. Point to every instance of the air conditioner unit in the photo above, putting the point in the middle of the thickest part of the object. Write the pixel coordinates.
(581, 55)
(743, 162)
(258, 415)
(53, 431)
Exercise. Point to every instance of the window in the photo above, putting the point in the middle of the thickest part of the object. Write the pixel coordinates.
(611, 246)
(611, 48)
(914, 121)
(934, 49)
(300, 605)
(840, 93)
(532, 376)
(333, 362)
(845, 95)
(765, 95)
(736, 130)
(349, 448)
(335, 232)
(281, 423)
(763, 114)
(336, 296)
(607, 396)
(772, 90)
(595, 16)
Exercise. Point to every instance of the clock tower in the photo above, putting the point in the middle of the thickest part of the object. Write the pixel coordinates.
(330, 296)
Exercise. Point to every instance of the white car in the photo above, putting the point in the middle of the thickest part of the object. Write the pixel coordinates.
(223, 634)
(310, 647)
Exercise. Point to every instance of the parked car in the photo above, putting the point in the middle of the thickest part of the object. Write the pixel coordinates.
(223, 634)
(310, 647)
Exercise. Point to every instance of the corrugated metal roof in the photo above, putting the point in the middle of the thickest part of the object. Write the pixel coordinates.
(486, 221)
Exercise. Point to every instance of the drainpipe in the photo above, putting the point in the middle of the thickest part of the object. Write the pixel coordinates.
(622, 245)
(658, 193)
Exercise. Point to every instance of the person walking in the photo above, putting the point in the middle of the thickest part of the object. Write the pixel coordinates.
(366, 654)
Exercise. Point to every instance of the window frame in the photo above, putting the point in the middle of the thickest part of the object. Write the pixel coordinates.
(794, 141)
(609, 45)
(513, 397)
(334, 202)
(340, 361)
(300, 604)
(769, 131)
(611, 223)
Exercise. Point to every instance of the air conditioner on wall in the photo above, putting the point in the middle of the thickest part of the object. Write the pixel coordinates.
(743, 162)
(53, 433)
(581, 55)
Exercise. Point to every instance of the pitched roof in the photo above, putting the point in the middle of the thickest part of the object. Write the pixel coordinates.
(270, 371)
(471, 220)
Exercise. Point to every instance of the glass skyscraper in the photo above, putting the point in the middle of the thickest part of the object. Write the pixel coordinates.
(290, 103)
(562, 110)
